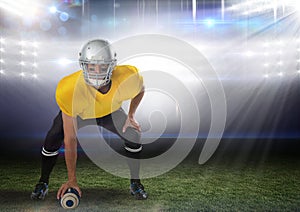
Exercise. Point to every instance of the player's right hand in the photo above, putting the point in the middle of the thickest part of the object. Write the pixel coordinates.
(65, 186)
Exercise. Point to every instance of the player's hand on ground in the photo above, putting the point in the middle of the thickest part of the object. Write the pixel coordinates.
(131, 122)
(65, 186)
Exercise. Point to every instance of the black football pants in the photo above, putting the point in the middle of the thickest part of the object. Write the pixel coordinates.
(113, 122)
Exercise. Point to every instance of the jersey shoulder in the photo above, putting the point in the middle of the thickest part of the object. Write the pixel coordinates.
(65, 92)
(67, 84)
(125, 70)
(128, 80)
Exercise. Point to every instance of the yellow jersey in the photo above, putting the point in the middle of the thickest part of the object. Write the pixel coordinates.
(75, 98)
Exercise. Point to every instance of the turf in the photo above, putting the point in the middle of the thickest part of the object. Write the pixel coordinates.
(219, 185)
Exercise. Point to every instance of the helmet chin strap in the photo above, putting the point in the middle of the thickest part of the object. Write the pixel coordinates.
(104, 88)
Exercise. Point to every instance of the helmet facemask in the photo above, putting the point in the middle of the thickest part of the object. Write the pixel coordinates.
(101, 78)
(97, 52)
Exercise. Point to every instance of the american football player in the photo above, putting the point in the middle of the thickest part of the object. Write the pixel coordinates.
(94, 93)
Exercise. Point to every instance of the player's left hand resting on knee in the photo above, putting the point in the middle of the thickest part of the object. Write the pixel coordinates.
(131, 122)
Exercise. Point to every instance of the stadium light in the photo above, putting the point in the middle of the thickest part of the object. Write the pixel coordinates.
(22, 74)
(194, 9)
(2, 71)
(22, 63)
(2, 50)
(34, 76)
(9, 8)
(24, 8)
(1, 61)
(210, 22)
(53, 9)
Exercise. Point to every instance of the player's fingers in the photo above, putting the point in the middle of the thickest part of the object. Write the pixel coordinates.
(136, 126)
(63, 191)
(79, 191)
(58, 193)
(125, 127)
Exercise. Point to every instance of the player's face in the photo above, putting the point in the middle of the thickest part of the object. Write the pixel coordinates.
(97, 69)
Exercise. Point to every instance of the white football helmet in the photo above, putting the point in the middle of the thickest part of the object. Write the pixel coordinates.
(97, 52)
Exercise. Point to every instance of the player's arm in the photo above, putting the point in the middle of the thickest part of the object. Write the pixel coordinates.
(70, 141)
(135, 102)
(131, 122)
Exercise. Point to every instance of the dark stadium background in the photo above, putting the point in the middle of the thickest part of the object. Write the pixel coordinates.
(28, 105)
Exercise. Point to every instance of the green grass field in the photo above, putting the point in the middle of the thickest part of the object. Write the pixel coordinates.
(222, 184)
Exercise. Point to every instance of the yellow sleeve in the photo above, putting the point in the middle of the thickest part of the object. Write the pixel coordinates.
(137, 81)
(62, 99)
(140, 84)
(130, 82)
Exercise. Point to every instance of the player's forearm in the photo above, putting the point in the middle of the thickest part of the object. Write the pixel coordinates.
(71, 157)
(135, 103)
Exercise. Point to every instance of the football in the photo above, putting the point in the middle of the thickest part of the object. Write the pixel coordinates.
(70, 199)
